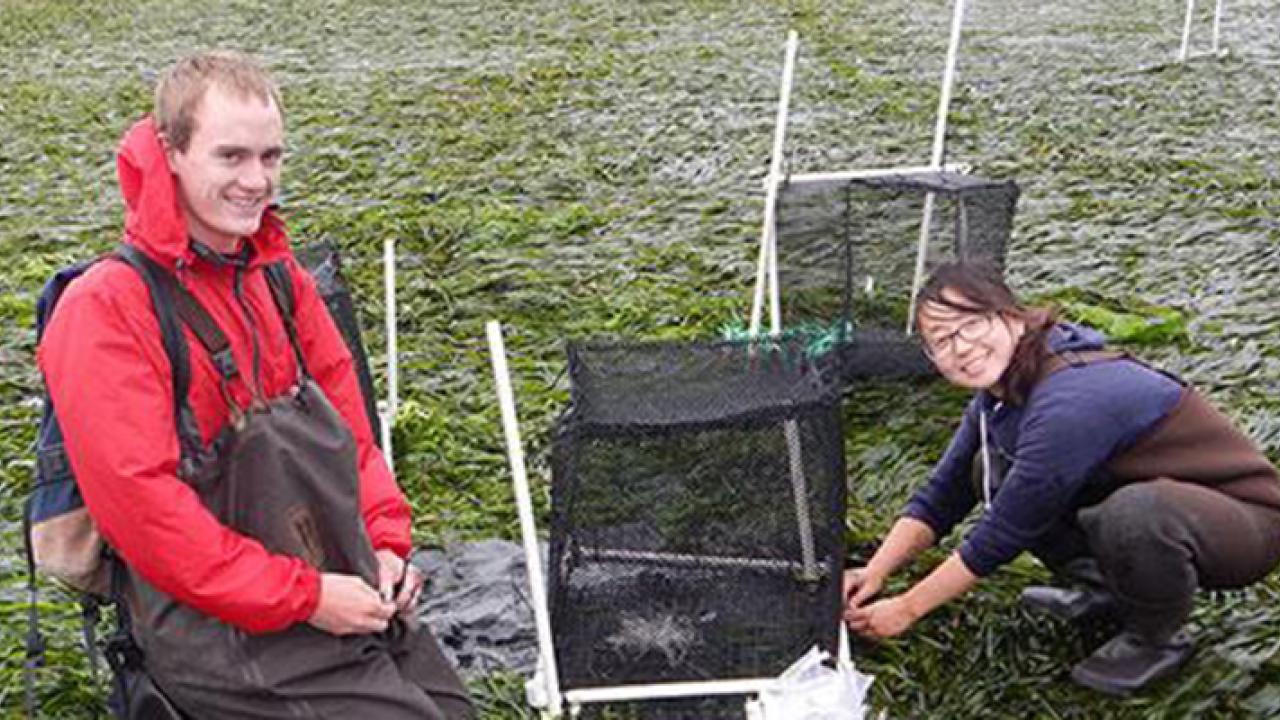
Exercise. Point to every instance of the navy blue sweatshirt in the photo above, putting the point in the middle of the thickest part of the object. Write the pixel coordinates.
(1074, 421)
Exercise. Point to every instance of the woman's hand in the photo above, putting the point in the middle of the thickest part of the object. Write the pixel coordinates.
(891, 617)
(882, 619)
(860, 585)
(393, 571)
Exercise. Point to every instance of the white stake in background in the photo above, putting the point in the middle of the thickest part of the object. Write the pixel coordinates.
(1186, 31)
(935, 160)
(1217, 26)
(767, 267)
(1215, 44)
(391, 406)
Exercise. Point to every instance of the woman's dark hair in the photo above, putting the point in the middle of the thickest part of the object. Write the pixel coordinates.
(978, 288)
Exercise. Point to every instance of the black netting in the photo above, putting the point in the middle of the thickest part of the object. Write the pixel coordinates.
(325, 265)
(847, 251)
(877, 353)
(658, 384)
(698, 505)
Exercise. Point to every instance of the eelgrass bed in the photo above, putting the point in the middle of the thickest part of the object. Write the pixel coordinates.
(592, 168)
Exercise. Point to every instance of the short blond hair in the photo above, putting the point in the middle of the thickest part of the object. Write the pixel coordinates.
(183, 86)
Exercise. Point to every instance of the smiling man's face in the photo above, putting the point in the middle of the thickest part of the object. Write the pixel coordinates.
(228, 173)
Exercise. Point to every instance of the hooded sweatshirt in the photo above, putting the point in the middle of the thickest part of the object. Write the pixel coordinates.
(110, 381)
(1056, 446)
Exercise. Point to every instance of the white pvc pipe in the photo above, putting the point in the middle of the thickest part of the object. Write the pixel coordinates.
(1217, 25)
(922, 251)
(1186, 31)
(385, 420)
(935, 158)
(906, 170)
(624, 693)
(775, 171)
(388, 408)
(948, 80)
(393, 369)
(524, 506)
(769, 239)
(768, 262)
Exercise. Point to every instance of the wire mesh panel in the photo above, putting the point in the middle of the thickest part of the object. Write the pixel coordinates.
(847, 253)
(698, 504)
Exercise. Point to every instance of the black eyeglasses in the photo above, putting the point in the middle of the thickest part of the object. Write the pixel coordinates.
(971, 330)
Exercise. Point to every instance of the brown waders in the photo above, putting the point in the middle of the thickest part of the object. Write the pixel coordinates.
(1156, 542)
(284, 472)
(1195, 505)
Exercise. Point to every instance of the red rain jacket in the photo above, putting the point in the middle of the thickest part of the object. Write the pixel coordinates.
(109, 378)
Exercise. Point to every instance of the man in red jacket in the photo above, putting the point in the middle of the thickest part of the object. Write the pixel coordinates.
(324, 631)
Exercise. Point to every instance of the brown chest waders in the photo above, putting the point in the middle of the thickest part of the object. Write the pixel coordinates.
(1192, 503)
(284, 472)
(1193, 444)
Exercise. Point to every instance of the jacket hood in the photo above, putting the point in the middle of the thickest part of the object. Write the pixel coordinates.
(153, 217)
(1069, 336)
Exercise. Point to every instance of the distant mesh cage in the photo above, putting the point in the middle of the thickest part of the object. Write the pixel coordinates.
(698, 504)
(847, 251)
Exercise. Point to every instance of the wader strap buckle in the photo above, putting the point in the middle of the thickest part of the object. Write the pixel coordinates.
(122, 653)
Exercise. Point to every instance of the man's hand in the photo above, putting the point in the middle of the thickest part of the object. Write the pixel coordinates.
(400, 582)
(882, 619)
(859, 587)
(348, 606)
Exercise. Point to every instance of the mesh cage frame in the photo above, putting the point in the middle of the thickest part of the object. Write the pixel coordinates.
(676, 547)
(834, 233)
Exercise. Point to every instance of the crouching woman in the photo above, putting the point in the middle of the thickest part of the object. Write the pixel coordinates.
(1121, 479)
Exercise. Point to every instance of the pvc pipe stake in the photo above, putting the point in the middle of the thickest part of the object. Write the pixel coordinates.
(767, 266)
(524, 507)
(935, 158)
(1217, 25)
(1186, 31)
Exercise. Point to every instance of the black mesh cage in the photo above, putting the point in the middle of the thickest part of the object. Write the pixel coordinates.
(847, 252)
(697, 512)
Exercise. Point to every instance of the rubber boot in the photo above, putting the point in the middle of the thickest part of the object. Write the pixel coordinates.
(1130, 662)
(1091, 600)
(1068, 604)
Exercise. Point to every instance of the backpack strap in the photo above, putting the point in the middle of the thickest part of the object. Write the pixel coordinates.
(281, 284)
(175, 345)
(205, 328)
(122, 652)
(192, 314)
(324, 264)
(35, 641)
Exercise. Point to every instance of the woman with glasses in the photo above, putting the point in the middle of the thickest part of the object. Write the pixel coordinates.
(1121, 479)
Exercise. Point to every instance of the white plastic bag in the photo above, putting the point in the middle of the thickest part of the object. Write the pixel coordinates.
(810, 690)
